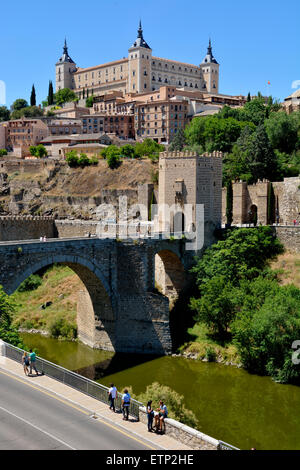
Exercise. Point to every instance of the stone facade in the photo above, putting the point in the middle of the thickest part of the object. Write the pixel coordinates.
(137, 73)
(26, 228)
(251, 199)
(289, 237)
(189, 178)
(119, 308)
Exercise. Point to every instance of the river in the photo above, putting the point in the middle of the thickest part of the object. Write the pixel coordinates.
(231, 405)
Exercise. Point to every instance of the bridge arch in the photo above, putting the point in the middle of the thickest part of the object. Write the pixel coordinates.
(169, 273)
(96, 317)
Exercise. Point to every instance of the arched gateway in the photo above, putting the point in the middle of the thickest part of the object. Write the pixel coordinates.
(119, 308)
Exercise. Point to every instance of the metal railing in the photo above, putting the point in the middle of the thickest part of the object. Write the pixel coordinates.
(226, 446)
(84, 385)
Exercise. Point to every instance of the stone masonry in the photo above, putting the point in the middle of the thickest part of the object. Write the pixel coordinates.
(119, 308)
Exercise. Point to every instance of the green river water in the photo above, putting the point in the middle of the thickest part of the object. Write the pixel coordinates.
(231, 405)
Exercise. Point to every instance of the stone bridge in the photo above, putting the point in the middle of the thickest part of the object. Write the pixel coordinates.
(124, 304)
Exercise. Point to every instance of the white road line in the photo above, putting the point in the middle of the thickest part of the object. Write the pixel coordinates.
(37, 428)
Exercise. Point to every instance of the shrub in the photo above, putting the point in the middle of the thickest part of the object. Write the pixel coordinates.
(210, 354)
(173, 401)
(31, 283)
(60, 328)
(3, 152)
(72, 159)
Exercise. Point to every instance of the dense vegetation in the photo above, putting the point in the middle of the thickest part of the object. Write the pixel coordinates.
(259, 141)
(75, 161)
(8, 332)
(241, 301)
(149, 148)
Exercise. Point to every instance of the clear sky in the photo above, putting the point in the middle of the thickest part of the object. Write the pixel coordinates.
(254, 42)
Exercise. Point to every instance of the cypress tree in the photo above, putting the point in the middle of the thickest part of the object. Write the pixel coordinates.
(50, 94)
(229, 203)
(33, 97)
(249, 97)
(87, 93)
(271, 204)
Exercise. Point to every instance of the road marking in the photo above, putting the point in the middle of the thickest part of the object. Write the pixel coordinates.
(37, 428)
(76, 408)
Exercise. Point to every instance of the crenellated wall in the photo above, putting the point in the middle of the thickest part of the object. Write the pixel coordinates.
(26, 228)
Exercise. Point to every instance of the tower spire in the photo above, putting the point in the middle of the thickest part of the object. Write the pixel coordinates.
(140, 30)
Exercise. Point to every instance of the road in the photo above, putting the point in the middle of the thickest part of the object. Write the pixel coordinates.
(32, 418)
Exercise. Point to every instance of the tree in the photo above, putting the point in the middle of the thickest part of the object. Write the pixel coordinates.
(113, 156)
(33, 97)
(262, 159)
(72, 159)
(215, 307)
(282, 130)
(249, 97)
(64, 96)
(50, 94)
(264, 336)
(127, 151)
(4, 114)
(19, 104)
(254, 111)
(178, 141)
(38, 151)
(7, 332)
(229, 203)
(89, 102)
(174, 402)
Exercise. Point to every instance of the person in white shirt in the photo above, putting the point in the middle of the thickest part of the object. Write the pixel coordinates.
(112, 395)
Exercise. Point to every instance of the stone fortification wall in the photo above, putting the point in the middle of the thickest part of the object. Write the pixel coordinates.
(26, 228)
(26, 166)
(287, 201)
(189, 178)
(289, 237)
(75, 228)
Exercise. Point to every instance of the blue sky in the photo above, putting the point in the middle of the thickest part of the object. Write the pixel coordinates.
(254, 42)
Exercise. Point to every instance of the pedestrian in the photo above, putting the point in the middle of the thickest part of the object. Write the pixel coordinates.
(25, 362)
(150, 416)
(125, 404)
(41, 239)
(45, 239)
(32, 362)
(161, 416)
(112, 395)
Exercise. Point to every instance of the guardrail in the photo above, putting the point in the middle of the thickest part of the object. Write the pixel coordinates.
(226, 446)
(84, 385)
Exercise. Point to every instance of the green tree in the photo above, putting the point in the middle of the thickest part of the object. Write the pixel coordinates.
(127, 151)
(33, 97)
(282, 130)
(7, 332)
(4, 114)
(173, 400)
(3, 152)
(64, 96)
(262, 159)
(89, 102)
(215, 307)
(113, 156)
(264, 336)
(229, 203)
(254, 111)
(72, 159)
(19, 104)
(249, 97)
(38, 151)
(83, 160)
(178, 141)
(50, 94)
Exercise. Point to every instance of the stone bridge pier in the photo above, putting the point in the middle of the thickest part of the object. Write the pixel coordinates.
(119, 309)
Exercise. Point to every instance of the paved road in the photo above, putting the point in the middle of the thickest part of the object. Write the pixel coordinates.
(31, 418)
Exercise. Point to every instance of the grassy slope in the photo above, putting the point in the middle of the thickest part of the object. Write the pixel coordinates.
(201, 341)
(60, 286)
